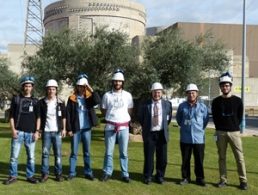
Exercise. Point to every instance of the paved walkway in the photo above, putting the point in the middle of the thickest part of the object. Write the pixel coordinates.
(248, 132)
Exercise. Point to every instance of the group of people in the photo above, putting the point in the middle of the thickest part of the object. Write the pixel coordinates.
(51, 120)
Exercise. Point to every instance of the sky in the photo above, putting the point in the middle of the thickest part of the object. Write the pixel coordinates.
(159, 13)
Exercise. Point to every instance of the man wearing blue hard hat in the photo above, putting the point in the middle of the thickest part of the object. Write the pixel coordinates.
(23, 115)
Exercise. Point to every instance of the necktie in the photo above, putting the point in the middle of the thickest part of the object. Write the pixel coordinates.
(155, 114)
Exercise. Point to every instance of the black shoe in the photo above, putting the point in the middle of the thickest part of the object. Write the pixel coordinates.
(159, 180)
(243, 186)
(89, 177)
(70, 177)
(105, 177)
(184, 181)
(59, 178)
(222, 184)
(10, 180)
(147, 181)
(44, 178)
(32, 180)
(126, 179)
(201, 182)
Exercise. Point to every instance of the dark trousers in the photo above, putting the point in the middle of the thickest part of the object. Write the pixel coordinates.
(155, 142)
(198, 152)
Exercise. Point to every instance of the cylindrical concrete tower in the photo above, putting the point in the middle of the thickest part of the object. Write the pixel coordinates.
(85, 15)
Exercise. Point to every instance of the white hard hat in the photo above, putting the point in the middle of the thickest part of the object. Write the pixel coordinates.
(51, 83)
(192, 87)
(82, 81)
(226, 78)
(118, 77)
(156, 86)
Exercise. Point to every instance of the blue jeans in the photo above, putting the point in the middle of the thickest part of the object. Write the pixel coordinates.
(110, 140)
(55, 139)
(85, 137)
(29, 143)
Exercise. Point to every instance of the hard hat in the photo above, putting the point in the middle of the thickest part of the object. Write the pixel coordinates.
(51, 83)
(226, 78)
(156, 86)
(82, 81)
(118, 75)
(192, 87)
(27, 79)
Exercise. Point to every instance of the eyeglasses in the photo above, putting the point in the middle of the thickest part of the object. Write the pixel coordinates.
(227, 112)
(119, 70)
(28, 78)
(83, 75)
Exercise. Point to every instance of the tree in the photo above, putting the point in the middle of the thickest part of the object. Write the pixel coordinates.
(8, 82)
(179, 62)
(64, 55)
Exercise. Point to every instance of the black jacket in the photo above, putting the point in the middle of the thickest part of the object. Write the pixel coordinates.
(144, 117)
(72, 120)
(42, 108)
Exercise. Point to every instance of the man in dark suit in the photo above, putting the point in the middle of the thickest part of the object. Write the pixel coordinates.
(154, 116)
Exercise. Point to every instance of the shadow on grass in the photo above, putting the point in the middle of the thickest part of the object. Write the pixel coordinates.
(98, 173)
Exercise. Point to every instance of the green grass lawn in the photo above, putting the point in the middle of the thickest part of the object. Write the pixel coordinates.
(116, 186)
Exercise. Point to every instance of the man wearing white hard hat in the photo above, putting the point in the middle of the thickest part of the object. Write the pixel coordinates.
(81, 117)
(227, 112)
(116, 106)
(154, 116)
(52, 119)
(23, 117)
(192, 117)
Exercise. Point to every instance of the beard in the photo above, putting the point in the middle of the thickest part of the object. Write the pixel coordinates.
(117, 86)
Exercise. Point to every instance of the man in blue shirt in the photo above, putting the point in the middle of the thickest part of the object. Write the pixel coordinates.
(192, 117)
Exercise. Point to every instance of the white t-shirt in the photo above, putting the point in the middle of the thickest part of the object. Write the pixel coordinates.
(51, 120)
(116, 105)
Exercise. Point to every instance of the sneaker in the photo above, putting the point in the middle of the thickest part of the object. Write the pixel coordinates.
(10, 180)
(44, 178)
(59, 178)
(70, 177)
(184, 181)
(222, 184)
(32, 180)
(89, 177)
(126, 179)
(105, 177)
(243, 186)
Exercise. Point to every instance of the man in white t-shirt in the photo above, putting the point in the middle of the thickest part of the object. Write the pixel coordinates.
(117, 106)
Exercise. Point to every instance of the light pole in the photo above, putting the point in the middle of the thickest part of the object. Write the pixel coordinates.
(243, 68)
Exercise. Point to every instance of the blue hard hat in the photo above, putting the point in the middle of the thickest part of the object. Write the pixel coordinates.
(27, 79)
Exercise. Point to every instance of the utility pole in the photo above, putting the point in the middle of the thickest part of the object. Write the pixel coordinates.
(243, 68)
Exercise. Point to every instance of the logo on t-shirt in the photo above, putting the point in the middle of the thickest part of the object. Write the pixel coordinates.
(118, 102)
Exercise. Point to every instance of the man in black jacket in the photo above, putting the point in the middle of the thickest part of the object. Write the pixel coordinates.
(81, 117)
(227, 112)
(154, 117)
(23, 115)
(51, 122)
